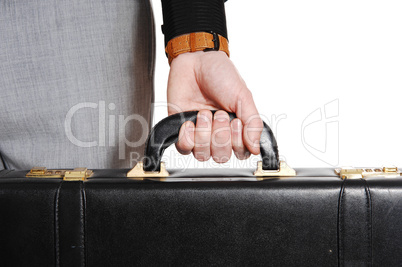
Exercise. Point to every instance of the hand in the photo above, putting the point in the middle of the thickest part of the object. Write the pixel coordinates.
(209, 81)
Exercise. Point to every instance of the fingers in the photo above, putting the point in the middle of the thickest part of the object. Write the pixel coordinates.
(247, 112)
(221, 145)
(239, 149)
(202, 137)
(185, 144)
(213, 136)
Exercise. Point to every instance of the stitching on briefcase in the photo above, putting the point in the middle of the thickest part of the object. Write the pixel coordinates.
(369, 221)
(340, 225)
(367, 238)
(83, 224)
(56, 225)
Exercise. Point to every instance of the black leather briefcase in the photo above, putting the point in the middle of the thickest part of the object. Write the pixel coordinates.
(152, 217)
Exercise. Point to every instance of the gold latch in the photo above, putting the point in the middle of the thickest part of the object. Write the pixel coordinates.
(284, 171)
(357, 173)
(78, 174)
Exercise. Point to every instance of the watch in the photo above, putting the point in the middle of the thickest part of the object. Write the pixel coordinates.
(196, 41)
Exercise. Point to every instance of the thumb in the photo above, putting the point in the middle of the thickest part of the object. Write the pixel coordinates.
(247, 112)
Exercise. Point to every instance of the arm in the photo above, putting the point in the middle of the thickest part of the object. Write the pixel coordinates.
(203, 81)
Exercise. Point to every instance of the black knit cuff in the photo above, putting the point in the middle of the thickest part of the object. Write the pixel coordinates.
(187, 16)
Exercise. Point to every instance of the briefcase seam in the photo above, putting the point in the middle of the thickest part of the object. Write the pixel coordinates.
(340, 228)
(369, 221)
(367, 241)
(57, 241)
(83, 223)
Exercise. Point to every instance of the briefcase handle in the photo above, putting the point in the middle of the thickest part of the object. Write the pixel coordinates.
(166, 132)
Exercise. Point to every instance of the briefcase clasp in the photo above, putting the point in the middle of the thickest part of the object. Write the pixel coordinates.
(358, 173)
(78, 174)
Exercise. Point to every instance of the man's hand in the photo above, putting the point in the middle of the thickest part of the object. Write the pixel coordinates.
(209, 81)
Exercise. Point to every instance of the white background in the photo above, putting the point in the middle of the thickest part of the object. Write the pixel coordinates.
(298, 57)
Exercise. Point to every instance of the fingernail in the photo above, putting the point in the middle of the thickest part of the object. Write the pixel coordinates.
(203, 119)
(237, 126)
(221, 117)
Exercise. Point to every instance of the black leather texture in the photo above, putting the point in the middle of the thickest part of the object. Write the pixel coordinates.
(166, 133)
(27, 221)
(386, 230)
(314, 219)
(355, 224)
(69, 223)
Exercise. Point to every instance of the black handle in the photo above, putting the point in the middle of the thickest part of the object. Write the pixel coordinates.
(166, 132)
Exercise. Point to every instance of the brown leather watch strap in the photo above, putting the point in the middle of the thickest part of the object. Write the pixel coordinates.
(196, 41)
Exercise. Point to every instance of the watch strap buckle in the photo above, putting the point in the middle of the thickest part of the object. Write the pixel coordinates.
(216, 41)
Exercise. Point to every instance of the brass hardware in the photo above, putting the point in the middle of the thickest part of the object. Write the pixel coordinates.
(351, 173)
(42, 172)
(78, 174)
(284, 170)
(38, 171)
(357, 173)
(390, 169)
(138, 172)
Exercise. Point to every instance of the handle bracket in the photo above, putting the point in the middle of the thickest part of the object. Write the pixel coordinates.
(284, 170)
(138, 171)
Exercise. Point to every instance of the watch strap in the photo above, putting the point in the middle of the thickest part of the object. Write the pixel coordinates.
(196, 41)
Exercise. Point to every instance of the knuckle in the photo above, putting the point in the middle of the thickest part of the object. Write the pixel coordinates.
(202, 146)
(203, 139)
(246, 93)
(222, 134)
(204, 118)
(238, 147)
(201, 156)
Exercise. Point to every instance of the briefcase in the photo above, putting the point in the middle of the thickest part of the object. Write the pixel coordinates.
(150, 216)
